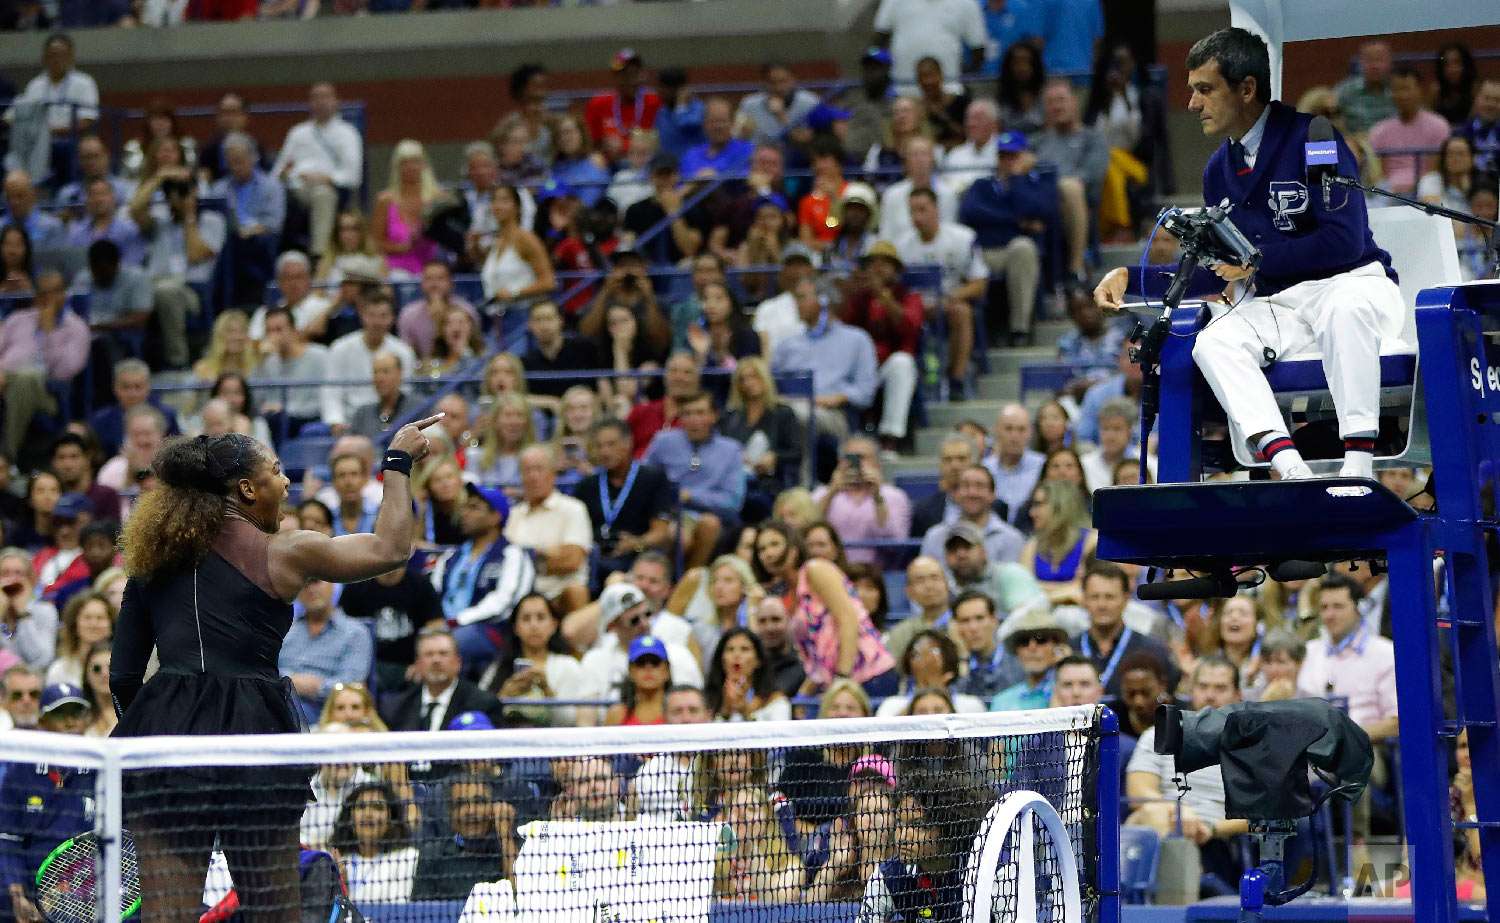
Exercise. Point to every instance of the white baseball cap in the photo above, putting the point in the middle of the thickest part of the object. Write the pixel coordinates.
(616, 600)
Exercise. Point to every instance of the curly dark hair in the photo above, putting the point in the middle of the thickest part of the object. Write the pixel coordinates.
(172, 526)
(397, 831)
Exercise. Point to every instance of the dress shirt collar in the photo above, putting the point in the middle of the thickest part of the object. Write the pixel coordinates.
(1251, 141)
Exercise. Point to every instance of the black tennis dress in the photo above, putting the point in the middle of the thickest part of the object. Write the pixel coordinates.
(217, 630)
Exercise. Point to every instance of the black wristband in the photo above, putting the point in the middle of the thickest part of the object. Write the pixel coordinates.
(397, 461)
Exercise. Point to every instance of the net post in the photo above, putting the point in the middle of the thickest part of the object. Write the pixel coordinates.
(110, 825)
(1106, 817)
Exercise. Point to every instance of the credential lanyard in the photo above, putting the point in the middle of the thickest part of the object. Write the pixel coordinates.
(611, 511)
(640, 111)
(1114, 659)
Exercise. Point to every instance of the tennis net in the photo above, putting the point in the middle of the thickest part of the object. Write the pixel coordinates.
(993, 818)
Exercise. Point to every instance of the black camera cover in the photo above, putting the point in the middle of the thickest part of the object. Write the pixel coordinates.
(1264, 750)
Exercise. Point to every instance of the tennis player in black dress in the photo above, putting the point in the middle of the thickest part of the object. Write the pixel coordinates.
(210, 587)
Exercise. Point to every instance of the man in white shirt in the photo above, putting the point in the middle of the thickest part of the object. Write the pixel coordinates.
(919, 163)
(71, 101)
(625, 615)
(352, 357)
(1149, 776)
(941, 29)
(964, 277)
(288, 356)
(776, 318)
(977, 157)
(557, 529)
(1117, 421)
(294, 281)
(778, 111)
(1015, 465)
(321, 159)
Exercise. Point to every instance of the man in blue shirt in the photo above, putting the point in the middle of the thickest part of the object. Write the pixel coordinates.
(1007, 22)
(101, 220)
(45, 231)
(721, 151)
(324, 647)
(1071, 32)
(1009, 212)
(679, 121)
(1094, 342)
(93, 164)
(481, 580)
(43, 806)
(709, 471)
(257, 210)
(841, 359)
(1322, 282)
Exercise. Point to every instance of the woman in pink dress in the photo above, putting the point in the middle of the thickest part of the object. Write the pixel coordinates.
(829, 624)
(396, 221)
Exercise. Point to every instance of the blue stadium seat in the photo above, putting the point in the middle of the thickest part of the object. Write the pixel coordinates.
(1140, 853)
(303, 453)
(918, 486)
(1047, 377)
(895, 591)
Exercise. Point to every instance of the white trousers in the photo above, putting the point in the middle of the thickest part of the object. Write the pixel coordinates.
(1344, 316)
(898, 381)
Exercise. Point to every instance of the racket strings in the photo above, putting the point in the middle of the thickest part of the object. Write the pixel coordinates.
(69, 885)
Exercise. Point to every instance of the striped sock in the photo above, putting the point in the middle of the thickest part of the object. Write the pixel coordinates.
(1359, 457)
(1274, 444)
(1281, 452)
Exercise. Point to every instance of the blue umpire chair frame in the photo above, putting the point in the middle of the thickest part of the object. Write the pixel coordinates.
(1424, 255)
(1211, 526)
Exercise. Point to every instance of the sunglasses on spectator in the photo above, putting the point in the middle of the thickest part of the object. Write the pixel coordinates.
(1035, 637)
(647, 661)
(18, 694)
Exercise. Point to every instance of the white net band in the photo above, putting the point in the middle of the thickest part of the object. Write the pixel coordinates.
(867, 820)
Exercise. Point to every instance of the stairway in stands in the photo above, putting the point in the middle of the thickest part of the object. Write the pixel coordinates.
(1000, 386)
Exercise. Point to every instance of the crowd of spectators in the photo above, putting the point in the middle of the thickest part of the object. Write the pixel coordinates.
(642, 424)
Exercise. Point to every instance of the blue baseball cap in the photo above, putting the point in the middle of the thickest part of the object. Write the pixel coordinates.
(71, 506)
(877, 54)
(647, 646)
(823, 115)
(1011, 141)
(59, 694)
(773, 198)
(471, 721)
(494, 496)
(553, 189)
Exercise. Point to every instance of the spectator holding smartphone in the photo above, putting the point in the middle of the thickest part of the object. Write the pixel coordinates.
(859, 504)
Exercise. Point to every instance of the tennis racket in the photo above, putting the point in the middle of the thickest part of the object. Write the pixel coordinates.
(69, 882)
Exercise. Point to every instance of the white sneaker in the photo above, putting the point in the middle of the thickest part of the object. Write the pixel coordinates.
(1297, 472)
(1364, 468)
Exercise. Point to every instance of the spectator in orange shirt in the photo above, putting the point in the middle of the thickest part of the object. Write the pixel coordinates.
(817, 227)
(611, 116)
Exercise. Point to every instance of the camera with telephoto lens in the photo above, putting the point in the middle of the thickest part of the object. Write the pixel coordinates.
(1264, 749)
(176, 187)
(1210, 234)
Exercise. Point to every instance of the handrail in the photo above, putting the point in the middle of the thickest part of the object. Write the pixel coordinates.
(558, 100)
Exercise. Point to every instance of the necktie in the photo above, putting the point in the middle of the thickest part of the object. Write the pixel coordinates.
(428, 711)
(1237, 157)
